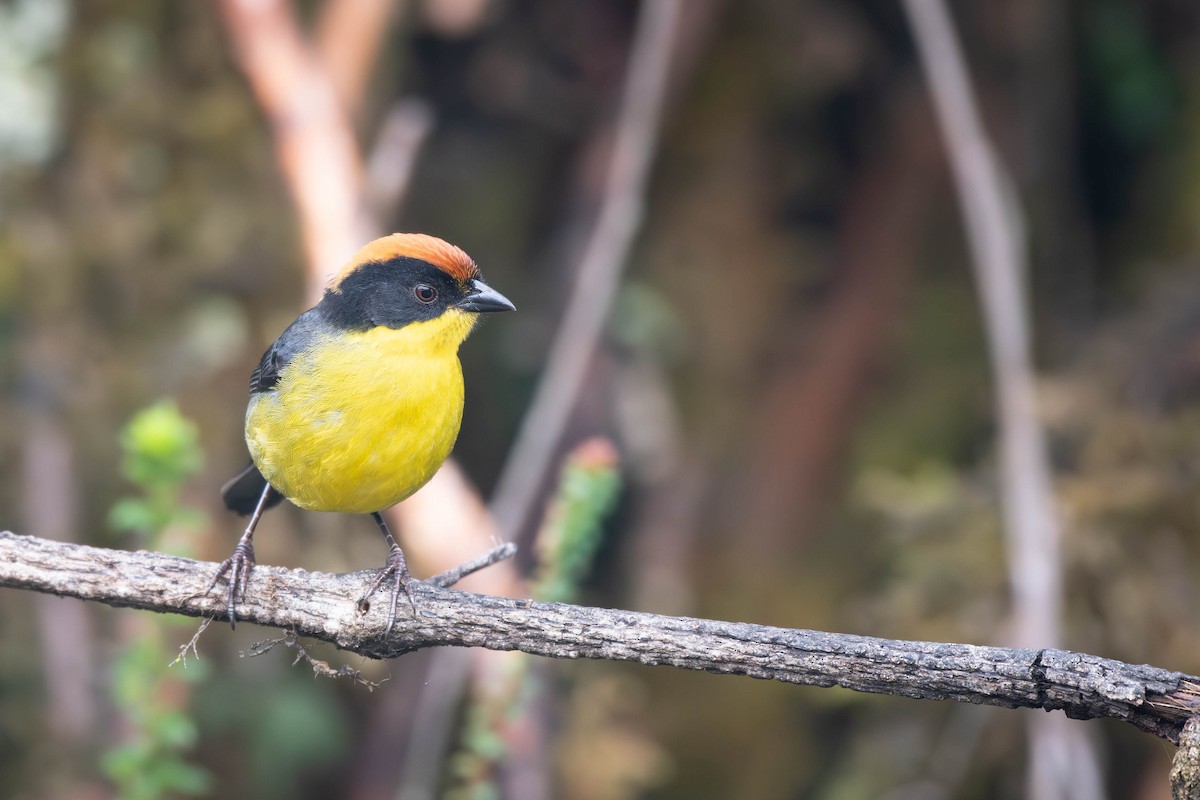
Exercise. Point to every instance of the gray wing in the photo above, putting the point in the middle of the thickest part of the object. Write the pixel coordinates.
(298, 336)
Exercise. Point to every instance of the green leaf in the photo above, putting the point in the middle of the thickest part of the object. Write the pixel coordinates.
(161, 446)
(132, 515)
(175, 730)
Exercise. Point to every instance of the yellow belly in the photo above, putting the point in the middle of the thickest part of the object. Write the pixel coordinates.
(360, 421)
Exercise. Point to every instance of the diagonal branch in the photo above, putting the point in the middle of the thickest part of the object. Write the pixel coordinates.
(313, 139)
(322, 606)
(603, 259)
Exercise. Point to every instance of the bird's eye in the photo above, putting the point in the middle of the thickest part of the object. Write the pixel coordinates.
(425, 293)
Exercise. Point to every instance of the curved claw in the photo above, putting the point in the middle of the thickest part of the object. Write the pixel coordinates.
(238, 565)
(242, 560)
(397, 570)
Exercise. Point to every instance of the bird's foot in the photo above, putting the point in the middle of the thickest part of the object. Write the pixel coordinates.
(397, 571)
(238, 566)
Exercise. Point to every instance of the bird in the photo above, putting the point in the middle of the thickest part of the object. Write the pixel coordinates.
(359, 401)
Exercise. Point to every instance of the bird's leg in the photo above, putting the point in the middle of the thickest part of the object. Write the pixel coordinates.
(239, 564)
(396, 569)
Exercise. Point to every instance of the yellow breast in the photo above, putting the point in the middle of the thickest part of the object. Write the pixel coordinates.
(361, 420)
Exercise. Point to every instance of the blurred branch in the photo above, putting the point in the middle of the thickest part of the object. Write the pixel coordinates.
(393, 158)
(823, 379)
(997, 244)
(349, 37)
(314, 141)
(607, 249)
(506, 727)
(1061, 762)
(321, 606)
(50, 496)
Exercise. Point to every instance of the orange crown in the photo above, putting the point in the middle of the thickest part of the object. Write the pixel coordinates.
(443, 255)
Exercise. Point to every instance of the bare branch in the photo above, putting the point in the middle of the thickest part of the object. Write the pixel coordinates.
(321, 669)
(348, 38)
(446, 579)
(600, 266)
(314, 142)
(1062, 764)
(393, 158)
(322, 606)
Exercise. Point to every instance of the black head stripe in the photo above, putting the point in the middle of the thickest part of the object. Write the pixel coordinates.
(383, 293)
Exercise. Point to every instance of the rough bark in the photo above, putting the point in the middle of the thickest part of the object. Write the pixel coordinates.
(1185, 771)
(323, 606)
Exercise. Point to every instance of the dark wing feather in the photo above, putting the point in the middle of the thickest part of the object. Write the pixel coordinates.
(298, 336)
(242, 493)
(266, 374)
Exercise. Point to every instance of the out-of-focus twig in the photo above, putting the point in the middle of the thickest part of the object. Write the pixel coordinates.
(504, 737)
(393, 157)
(597, 277)
(348, 38)
(49, 500)
(1062, 764)
(314, 143)
(604, 256)
(823, 384)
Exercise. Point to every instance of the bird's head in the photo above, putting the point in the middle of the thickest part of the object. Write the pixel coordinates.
(409, 278)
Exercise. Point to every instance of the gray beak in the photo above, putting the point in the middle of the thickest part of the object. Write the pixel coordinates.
(484, 298)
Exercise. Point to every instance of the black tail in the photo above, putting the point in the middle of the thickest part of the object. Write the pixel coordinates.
(242, 492)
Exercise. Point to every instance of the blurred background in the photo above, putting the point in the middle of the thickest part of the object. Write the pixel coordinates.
(792, 383)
